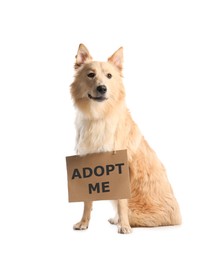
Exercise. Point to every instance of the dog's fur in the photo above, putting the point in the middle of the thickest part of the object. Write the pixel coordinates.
(103, 123)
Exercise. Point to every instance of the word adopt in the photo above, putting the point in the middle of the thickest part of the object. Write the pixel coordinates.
(98, 171)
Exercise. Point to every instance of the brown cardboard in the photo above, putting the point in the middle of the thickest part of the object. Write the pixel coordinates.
(98, 176)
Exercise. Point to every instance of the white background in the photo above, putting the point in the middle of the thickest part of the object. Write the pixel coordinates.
(173, 80)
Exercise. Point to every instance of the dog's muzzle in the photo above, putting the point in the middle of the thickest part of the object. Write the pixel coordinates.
(101, 90)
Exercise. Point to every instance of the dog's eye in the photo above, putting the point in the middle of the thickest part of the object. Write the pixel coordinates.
(109, 76)
(91, 75)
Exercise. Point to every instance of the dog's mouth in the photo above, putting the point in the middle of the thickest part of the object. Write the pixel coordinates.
(98, 99)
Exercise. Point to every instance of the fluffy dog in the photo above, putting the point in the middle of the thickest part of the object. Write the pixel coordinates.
(103, 123)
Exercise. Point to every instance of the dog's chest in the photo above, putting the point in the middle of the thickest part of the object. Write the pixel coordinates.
(95, 136)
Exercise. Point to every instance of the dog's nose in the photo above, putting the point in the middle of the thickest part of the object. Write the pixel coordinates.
(101, 89)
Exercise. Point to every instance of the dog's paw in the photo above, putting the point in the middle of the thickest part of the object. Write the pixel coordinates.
(80, 226)
(124, 229)
(113, 221)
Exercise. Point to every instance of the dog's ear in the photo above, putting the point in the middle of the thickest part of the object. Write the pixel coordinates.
(117, 58)
(82, 56)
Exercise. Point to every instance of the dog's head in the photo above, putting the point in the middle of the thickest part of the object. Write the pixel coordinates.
(97, 88)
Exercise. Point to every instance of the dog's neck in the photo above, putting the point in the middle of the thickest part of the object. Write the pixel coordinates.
(98, 134)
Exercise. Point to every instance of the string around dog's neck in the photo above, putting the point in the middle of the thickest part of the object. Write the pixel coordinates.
(114, 144)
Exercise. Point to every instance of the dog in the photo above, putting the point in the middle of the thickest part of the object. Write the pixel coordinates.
(103, 123)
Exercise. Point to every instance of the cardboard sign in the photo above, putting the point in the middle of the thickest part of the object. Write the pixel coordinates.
(98, 176)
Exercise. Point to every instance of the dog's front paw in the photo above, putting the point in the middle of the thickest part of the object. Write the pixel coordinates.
(80, 225)
(124, 229)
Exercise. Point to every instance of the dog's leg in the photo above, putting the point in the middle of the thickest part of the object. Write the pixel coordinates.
(84, 223)
(123, 223)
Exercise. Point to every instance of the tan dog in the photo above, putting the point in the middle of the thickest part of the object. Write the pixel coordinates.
(103, 123)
